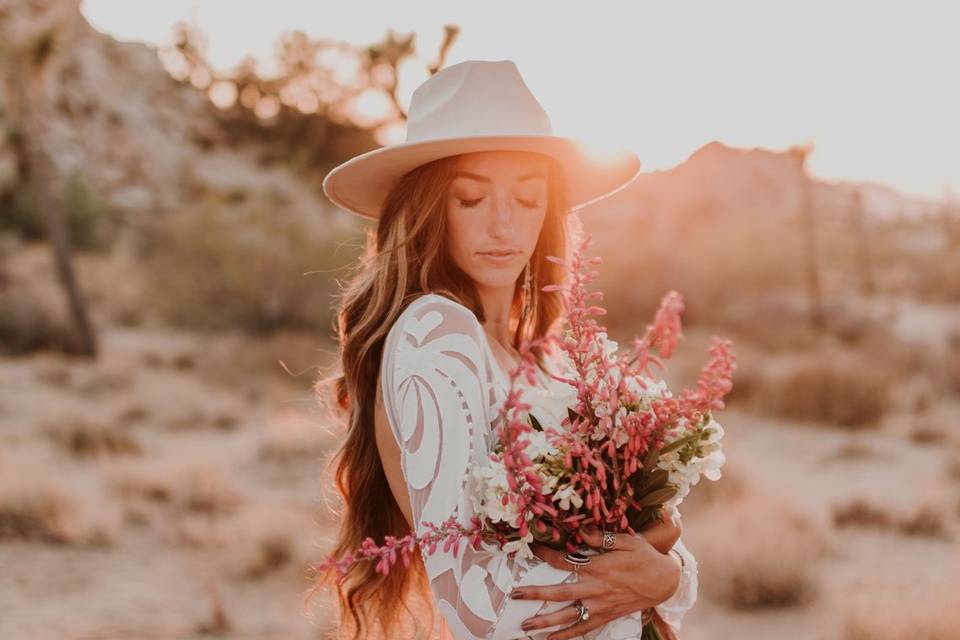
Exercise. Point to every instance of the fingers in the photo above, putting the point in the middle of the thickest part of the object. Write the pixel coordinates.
(553, 557)
(553, 592)
(593, 536)
(663, 535)
(579, 629)
(567, 615)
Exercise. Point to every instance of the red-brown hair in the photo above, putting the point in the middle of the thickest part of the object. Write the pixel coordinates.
(404, 258)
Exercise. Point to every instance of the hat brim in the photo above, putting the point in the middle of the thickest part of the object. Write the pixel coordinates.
(361, 184)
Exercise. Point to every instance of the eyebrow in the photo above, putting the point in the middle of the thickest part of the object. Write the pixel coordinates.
(476, 176)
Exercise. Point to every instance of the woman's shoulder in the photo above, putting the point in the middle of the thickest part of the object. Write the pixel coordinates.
(430, 310)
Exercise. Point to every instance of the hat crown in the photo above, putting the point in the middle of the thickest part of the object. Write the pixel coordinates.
(475, 98)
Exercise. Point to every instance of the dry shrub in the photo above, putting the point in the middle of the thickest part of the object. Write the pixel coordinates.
(131, 415)
(209, 490)
(190, 487)
(30, 323)
(842, 389)
(850, 452)
(928, 433)
(153, 483)
(100, 382)
(290, 435)
(195, 418)
(237, 363)
(909, 614)
(83, 439)
(270, 542)
(860, 512)
(32, 510)
(273, 552)
(758, 552)
(952, 464)
(54, 374)
(927, 520)
(256, 266)
(218, 623)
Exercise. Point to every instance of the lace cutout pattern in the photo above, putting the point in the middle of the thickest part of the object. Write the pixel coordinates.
(441, 390)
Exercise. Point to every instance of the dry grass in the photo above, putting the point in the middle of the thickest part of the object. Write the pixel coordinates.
(29, 321)
(99, 382)
(83, 439)
(952, 465)
(242, 267)
(927, 520)
(40, 511)
(759, 552)
(844, 390)
(290, 436)
(859, 512)
(195, 418)
(851, 452)
(928, 433)
(273, 552)
(218, 623)
(929, 615)
(237, 363)
(193, 487)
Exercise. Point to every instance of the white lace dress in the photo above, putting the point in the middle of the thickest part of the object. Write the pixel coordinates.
(441, 386)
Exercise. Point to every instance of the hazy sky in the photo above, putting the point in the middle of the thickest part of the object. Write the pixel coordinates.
(873, 85)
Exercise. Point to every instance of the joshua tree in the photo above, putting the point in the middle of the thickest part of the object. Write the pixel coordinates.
(31, 60)
(808, 220)
(862, 239)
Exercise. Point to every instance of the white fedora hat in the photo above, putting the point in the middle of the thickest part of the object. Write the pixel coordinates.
(476, 105)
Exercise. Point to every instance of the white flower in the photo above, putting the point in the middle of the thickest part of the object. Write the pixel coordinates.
(565, 496)
(521, 546)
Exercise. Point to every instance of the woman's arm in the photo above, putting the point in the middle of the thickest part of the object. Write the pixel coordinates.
(676, 606)
(436, 393)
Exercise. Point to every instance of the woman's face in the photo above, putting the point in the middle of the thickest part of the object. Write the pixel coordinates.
(496, 203)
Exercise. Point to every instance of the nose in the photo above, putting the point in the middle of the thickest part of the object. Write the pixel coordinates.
(501, 216)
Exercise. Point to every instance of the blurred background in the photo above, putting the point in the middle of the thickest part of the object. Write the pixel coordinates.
(168, 264)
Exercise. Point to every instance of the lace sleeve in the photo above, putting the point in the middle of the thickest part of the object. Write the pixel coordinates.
(439, 400)
(673, 608)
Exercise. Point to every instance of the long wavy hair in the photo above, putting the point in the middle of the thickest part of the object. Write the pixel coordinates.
(405, 258)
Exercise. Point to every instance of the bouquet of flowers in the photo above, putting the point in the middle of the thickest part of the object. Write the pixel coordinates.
(627, 451)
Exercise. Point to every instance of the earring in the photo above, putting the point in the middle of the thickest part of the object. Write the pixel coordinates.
(527, 290)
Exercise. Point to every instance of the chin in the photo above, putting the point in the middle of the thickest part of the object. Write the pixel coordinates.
(495, 280)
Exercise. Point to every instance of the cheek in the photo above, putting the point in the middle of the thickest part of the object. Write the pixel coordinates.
(531, 230)
(458, 236)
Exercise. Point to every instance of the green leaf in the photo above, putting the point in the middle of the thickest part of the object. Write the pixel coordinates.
(534, 422)
(657, 497)
(650, 459)
(654, 481)
(682, 441)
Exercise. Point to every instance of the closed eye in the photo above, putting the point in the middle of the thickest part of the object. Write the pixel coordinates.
(467, 204)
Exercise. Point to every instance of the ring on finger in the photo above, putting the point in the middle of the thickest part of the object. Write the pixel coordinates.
(609, 540)
(577, 558)
(583, 613)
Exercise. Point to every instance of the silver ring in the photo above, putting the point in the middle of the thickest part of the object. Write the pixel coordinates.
(609, 540)
(583, 613)
(577, 559)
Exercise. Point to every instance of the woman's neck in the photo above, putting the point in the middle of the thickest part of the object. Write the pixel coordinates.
(496, 311)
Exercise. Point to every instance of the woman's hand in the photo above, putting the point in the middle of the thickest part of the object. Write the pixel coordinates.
(632, 576)
(663, 535)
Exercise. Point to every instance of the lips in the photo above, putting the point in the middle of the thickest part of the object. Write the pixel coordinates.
(499, 253)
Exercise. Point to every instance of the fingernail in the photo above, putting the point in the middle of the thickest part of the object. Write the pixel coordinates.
(526, 626)
(516, 594)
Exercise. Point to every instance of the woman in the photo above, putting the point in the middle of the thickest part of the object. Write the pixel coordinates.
(467, 210)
